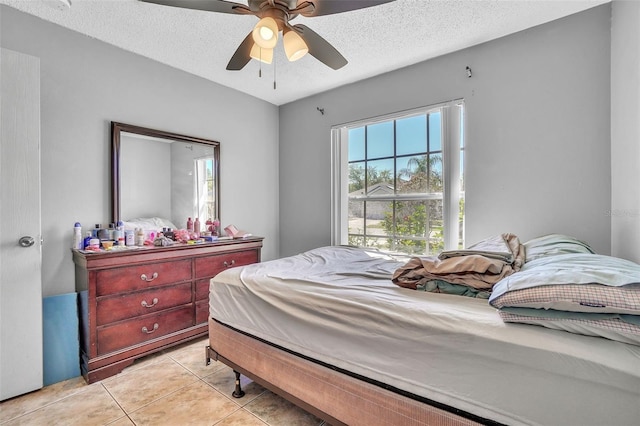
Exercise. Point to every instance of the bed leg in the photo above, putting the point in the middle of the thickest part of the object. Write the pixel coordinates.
(238, 392)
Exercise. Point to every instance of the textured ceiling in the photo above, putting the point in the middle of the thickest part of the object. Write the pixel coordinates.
(374, 40)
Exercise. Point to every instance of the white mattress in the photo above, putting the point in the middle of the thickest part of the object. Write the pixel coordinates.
(339, 306)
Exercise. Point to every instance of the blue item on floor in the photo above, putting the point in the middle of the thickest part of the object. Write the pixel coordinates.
(60, 338)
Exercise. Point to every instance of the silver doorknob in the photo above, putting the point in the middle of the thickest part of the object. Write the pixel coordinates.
(26, 241)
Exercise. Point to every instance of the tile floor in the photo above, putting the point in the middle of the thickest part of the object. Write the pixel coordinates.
(173, 387)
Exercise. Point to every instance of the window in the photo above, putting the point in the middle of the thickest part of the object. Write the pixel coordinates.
(205, 188)
(398, 181)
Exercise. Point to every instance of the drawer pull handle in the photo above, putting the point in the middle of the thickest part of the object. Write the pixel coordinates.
(146, 305)
(144, 277)
(229, 265)
(146, 330)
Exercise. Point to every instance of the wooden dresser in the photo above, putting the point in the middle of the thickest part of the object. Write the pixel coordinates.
(136, 302)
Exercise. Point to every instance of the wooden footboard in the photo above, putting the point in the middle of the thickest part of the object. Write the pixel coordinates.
(331, 395)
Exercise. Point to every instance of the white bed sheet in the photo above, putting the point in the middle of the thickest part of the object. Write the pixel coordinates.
(338, 305)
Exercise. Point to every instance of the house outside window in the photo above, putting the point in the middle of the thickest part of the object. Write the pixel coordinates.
(397, 181)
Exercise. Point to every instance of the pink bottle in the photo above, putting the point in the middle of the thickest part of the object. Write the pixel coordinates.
(196, 227)
(189, 225)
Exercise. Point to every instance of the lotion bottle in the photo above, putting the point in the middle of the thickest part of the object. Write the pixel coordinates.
(139, 237)
(77, 236)
(189, 225)
(118, 234)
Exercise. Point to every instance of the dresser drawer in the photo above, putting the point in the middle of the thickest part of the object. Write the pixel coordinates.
(202, 311)
(132, 278)
(141, 329)
(202, 289)
(127, 305)
(212, 265)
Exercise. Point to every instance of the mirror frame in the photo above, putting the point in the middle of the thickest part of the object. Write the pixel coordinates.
(116, 130)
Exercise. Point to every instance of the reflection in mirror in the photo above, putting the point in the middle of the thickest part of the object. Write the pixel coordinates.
(163, 177)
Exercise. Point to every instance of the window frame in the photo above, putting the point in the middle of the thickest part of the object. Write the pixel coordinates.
(452, 144)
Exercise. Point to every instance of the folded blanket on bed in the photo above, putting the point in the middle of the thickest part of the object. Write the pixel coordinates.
(476, 268)
(620, 327)
(505, 247)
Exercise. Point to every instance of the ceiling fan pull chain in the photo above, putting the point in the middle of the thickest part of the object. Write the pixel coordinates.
(274, 73)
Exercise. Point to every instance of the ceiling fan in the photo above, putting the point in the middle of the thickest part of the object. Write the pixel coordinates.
(275, 15)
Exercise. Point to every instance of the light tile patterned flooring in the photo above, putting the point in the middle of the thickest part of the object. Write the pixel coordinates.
(173, 387)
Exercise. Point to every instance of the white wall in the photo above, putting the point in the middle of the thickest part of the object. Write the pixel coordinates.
(625, 130)
(538, 134)
(86, 84)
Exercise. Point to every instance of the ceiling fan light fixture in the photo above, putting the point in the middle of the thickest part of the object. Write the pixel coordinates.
(265, 33)
(294, 45)
(260, 54)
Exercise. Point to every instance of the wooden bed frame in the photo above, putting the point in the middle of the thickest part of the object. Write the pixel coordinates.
(332, 395)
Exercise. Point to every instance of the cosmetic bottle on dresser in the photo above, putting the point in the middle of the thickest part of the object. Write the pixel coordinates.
(118, 234)
(139, 237)
(111, 231)
(196, 227)
(103, 234)
(77, 236)
(129, 237)
(87, 240)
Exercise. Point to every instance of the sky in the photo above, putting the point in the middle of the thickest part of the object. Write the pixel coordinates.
(376, 141)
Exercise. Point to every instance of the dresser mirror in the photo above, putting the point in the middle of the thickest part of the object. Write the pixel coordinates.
(163, 176)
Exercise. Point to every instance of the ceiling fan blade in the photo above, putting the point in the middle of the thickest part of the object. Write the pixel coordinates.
(329, 7)
(221, 6)
(320, 48)
(242, 55)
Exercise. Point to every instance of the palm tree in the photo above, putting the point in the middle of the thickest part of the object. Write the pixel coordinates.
(422, 173)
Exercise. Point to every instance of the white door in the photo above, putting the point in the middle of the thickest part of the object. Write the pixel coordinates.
(20, 258)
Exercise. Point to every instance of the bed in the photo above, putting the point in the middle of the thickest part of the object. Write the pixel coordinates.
(330, 331)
